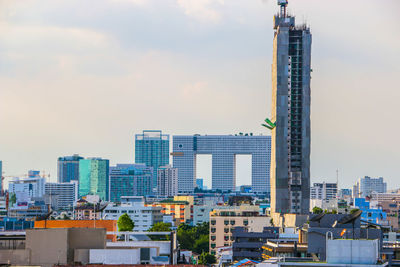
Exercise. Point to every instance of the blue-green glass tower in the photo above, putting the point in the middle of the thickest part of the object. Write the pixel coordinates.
(94, 178)
(152, 148)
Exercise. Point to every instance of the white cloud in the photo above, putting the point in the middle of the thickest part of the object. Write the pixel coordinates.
(202, 10)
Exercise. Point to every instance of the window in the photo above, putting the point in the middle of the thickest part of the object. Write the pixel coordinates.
(233, 222)
(213, 237)
(226, 222)
(213, 222)
(245, 222)
(226, 230)
(213, 246)
(212, 229)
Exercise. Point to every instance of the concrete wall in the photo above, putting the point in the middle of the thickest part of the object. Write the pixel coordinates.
(114, 256)
(14, 256)
(47, 246)
(57, 246)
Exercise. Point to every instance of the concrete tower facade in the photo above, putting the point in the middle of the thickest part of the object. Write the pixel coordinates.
(290, 151)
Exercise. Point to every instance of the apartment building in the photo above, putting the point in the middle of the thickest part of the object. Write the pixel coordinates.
(223, 221)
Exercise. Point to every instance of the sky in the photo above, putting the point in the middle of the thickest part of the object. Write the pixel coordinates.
(85, 76)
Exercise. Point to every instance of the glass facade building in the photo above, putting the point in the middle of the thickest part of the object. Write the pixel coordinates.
(152, 149)
(223, 149)
(68, 168)
(130, 180)
(94, 177)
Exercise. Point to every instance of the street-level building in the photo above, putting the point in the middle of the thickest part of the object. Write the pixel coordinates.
(143, 216)
(222, 223)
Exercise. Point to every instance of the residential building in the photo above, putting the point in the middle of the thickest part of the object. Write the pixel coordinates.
(87, 211)
(94, 177)
(345, 193)
(223, 221)
(324, 191)
(130, 180)
(167, 181)
(152, 149)
(143, 216)
(34, 208)
(392, 210)
(32, 186)
(180, 207)
(290, 117)
(248, 245)
(68, 168)
(371, 211)
(366, 186)
(201, 213)
(315, 233)
(385, 196)
(66, 194)
(223, 149)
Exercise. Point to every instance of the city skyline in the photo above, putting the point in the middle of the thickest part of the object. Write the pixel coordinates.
(230, 93)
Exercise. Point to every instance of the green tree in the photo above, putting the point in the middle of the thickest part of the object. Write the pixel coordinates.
(125, 223)
(12, 198)
(206, 258)
(160, 227)
(201, 244)
(317, 210)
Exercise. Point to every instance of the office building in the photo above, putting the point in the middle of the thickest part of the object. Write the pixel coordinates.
(33, 186)
(224, 221)
(167, 181)
(152, 149)
(345, 193)
(63, 196)
(68, 168)
(324, 191)
(291, 67)
(366, 186)
(94, 177)
(223, 149)
(130, 180)
(143, 217)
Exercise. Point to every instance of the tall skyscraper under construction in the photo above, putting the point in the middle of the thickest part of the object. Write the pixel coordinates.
(290, 122)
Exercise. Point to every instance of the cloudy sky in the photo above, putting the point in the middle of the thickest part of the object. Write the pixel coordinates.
(85, 76)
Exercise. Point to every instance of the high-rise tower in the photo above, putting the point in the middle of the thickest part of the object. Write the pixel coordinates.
(290, 122)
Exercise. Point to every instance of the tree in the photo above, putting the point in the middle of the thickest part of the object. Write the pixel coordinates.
(13, 198)
(160, 227)
(201, 244)
(206, 258)
(125, 223)
(317, 210)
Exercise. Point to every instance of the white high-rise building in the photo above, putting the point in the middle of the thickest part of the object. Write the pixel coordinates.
(62, 195)
(167, 181)
(32, 187)
(324, 191)
(366, 186)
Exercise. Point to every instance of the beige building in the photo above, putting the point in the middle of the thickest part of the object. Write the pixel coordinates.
(223, 221)
(180, 208)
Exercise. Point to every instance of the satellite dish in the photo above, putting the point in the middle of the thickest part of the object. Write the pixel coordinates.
(317, 218)
(350, 218)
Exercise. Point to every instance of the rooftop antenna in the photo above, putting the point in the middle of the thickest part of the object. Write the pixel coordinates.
(283, 4)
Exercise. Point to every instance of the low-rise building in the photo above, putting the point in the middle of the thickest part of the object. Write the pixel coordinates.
(223, 221)
(248, 245)
(180, 207)
(143, 216)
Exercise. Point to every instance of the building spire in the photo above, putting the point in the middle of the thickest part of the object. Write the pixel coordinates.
(283, 4)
